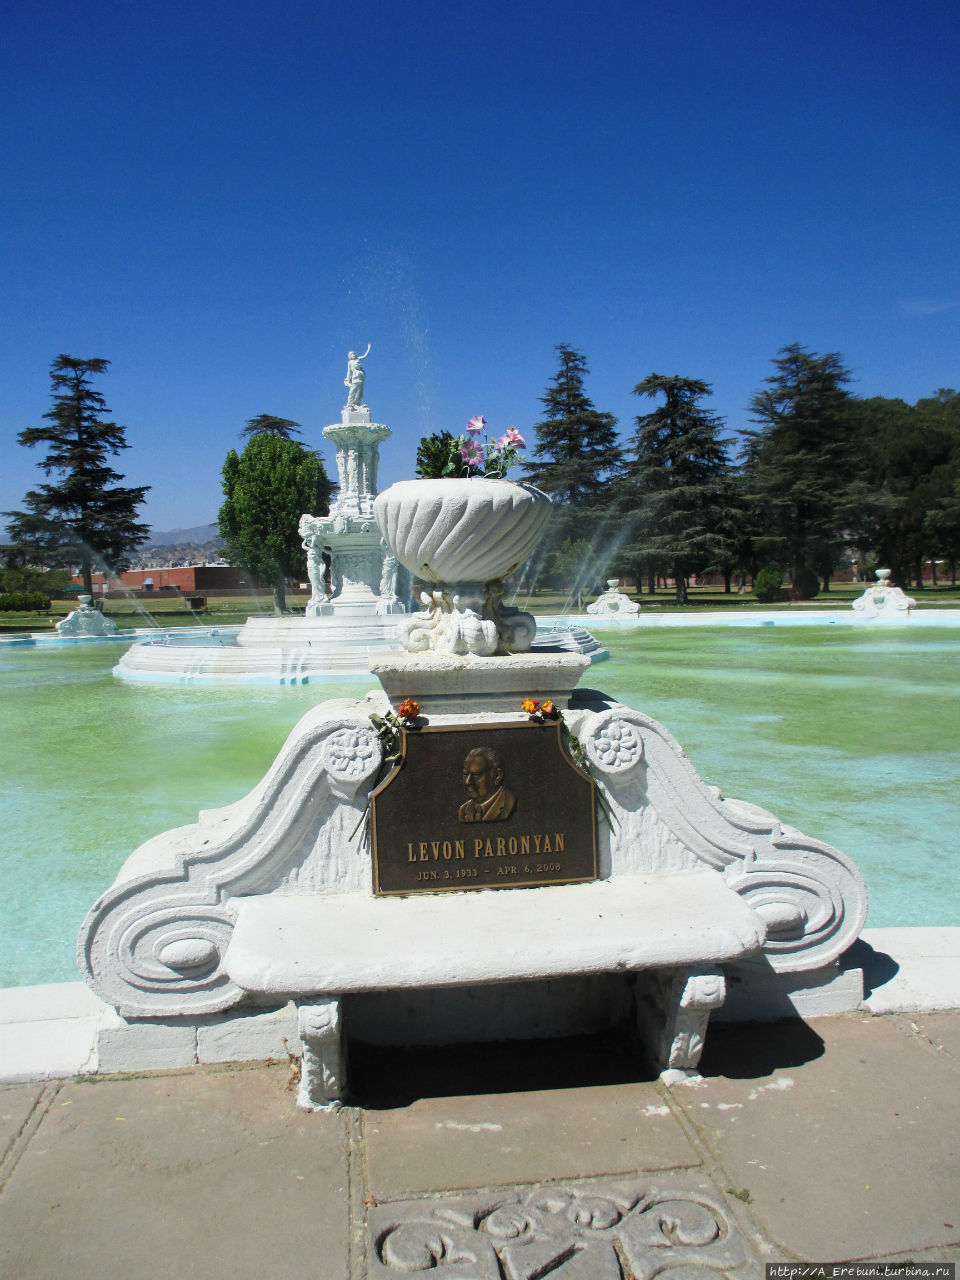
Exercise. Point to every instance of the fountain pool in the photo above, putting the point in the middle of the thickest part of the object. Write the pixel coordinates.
(852, 733)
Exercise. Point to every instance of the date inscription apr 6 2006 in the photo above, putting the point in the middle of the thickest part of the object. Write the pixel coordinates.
(493, 806)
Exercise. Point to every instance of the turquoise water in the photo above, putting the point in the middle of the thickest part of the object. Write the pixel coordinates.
(850, 734)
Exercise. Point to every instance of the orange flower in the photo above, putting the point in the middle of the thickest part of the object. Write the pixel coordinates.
(549, 710)
(408, 709)
(531, 706)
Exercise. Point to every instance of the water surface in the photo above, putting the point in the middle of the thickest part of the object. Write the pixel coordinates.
(850, 734)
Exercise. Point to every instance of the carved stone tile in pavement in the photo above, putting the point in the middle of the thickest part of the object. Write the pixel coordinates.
(625, 1230)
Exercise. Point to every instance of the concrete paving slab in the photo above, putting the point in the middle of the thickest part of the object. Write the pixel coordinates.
(494, 1139)
(16, 1107)
(209, 1173)
(846, 1155)
(941, 1029)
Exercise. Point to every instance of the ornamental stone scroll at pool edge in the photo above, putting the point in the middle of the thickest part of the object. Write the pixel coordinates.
(153, 945)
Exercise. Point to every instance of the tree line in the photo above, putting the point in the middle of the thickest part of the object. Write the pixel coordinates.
(85, 517)
(821, 478)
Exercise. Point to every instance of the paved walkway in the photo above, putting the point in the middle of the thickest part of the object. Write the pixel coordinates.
(828, 1140)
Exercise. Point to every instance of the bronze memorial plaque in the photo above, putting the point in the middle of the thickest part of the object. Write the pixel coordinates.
(497, 806)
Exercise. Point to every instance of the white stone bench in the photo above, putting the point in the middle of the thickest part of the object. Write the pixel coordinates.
(271, 898)
(679, 929)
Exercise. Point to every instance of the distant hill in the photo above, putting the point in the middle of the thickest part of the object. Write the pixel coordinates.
(171, 537)
(200, 544)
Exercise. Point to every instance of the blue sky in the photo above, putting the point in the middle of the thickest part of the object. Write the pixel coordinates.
(223, 198)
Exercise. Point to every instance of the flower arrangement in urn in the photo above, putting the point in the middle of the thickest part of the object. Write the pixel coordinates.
(442, 455)
(464, 528)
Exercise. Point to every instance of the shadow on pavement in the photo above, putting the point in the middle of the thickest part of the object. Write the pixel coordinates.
(747, 1050)
(384, 1078)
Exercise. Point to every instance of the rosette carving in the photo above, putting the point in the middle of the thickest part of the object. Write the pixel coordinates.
(350, 756)
(614, 745)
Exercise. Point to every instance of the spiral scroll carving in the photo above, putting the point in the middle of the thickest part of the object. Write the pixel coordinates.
(814, 904)
(130, 953)
(154, 944)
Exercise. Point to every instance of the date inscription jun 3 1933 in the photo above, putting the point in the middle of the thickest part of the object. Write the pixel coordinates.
(492, 806)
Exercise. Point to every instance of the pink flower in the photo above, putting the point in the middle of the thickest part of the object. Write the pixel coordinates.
(512, 437)
(475, 425)
(472, 454)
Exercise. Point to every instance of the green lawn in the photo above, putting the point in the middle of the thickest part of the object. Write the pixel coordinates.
(229, 610)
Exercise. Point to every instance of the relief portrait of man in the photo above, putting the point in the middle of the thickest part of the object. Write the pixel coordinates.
(490, 800)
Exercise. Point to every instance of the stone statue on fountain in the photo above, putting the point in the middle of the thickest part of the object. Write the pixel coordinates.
(355, 379)
(349, 537)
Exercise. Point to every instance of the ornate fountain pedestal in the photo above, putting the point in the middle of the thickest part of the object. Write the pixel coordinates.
(350, 572)
(86, 621)
(883, 600)
(613, 603)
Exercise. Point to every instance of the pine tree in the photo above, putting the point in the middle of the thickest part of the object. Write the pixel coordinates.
(267, 488)
(267, 423)
(86, 518)
(802, 465)
(678, 487)
(577, 452)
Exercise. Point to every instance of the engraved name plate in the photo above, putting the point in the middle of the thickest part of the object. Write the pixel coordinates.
(488, 807)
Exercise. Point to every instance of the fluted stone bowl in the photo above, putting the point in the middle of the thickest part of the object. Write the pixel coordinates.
(461, 530)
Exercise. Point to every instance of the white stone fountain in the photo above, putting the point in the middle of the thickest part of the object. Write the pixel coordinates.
(354, 579)
(613, 603)
(882, 600)
(350, 571)
(85, 621)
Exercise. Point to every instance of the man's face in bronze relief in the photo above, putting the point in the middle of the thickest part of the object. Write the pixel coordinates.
(481, 775)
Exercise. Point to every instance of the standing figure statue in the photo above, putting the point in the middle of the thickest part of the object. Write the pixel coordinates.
(355, 378)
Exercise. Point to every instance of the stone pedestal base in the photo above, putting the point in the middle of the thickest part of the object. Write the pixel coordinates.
(356, 600)
(461, 685)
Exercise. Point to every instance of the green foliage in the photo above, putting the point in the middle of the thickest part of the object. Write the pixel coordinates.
(86, 517)
(24, 602)
(802, 463)
(911, 465)
(678, 489)
(267, 488)
(18, 575)
(438, 456)
(767, 584)
(267, 423)
(576, 454)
